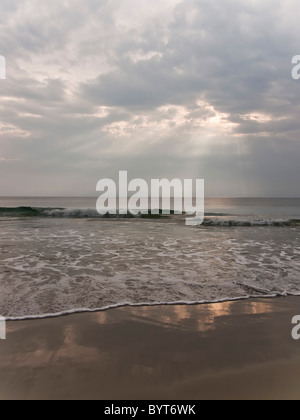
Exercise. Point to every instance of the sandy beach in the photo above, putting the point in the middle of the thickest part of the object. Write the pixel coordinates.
(233, 350)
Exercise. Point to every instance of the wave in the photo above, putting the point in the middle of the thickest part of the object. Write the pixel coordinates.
(75, 213)
(250, 222)
(211, 219)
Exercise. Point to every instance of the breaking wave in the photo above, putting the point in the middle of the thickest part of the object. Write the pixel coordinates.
(250, 222)
(57, 213)
(211, 219)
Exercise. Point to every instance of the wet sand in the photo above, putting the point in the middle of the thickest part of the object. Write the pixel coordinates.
(234, 350)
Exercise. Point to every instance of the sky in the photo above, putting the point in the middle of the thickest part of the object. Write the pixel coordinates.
(161, 88)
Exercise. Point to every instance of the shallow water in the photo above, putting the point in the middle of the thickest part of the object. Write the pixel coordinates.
(49, 266)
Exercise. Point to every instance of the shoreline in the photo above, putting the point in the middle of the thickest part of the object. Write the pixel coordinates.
(231, 350)
(80, 311)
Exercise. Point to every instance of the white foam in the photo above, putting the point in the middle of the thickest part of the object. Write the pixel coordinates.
(97, 266)
(146, 304)
(247, 222)
(78, 213)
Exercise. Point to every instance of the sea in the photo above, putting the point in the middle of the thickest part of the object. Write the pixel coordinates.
(59, 256)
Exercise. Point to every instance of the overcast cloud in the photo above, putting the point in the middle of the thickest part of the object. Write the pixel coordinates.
(161, 88)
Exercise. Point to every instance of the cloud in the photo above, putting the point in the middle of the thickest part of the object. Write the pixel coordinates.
(174, 88)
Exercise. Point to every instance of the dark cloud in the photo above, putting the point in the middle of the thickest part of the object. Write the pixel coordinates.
(163, 89)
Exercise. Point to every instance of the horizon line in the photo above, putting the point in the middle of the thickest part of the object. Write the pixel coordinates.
(96, 196)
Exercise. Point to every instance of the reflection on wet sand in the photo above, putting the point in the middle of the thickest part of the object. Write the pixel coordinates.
(43, 355)
(183, 316)
(102, 318)
(166, 352)
(260, 308)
